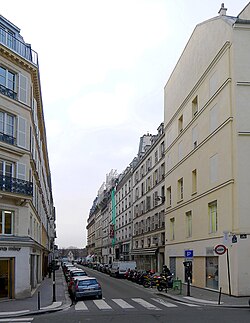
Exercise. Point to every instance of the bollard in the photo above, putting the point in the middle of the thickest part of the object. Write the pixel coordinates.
(219, 296)
(54, 286)
(38, 301)
(188, 287)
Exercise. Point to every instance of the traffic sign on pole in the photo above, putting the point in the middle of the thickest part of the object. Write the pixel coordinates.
(220, 249)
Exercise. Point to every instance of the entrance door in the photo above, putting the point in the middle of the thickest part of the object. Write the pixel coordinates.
(6, 278)
(212, 275)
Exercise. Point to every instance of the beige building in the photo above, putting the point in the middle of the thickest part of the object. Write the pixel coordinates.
(27, 214)
(207, 127)
(148, 203)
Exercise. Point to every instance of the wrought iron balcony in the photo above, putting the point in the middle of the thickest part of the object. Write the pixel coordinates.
(18, 46)
(15, 185)
(8, 92)
(7, 138)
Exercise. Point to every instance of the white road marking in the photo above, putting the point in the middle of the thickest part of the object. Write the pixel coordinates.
(17, 312)
(122, 303)
(80, 306)
(24, 320)
(146, 304)
(102, 305)
(201, 300)
(162, 302)
(188, 304)
(53, 305)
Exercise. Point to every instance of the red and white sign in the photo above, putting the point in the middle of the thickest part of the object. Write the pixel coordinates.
(220, 249)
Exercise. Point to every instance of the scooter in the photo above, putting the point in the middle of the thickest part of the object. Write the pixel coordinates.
(165, 283)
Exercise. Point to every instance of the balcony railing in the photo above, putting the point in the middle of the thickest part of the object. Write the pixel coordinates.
(15, 185)
(18, 46)
(7, 138)
(8, 92)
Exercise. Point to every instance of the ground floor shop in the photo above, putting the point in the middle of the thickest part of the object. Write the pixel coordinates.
(228, 269)
(21, 268)
(149, 258)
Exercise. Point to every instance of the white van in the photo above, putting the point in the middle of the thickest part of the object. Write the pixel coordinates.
(119, 268)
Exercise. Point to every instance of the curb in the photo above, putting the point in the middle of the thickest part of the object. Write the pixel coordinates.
(48, 309)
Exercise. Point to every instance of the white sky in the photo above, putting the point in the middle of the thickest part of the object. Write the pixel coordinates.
(103, 67)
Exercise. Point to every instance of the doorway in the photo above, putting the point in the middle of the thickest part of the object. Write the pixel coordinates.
(6, 277)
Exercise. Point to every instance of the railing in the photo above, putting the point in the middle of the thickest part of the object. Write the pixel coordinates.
(18, 46)
(7, 138)
(8, 92)
(15, 185)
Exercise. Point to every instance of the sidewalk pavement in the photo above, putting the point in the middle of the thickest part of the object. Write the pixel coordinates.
(29, 306)
(201, 296)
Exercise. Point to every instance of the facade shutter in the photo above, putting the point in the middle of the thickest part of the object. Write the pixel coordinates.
(23, 89)
(21, 132)
(21, 171)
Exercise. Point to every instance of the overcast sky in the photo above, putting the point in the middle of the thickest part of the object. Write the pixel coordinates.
(103, 67)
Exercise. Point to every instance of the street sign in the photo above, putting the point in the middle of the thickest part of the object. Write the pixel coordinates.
(220, 249)
(189, 254)
(234, 238)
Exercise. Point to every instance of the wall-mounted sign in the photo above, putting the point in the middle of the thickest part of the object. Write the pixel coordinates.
(10, 248)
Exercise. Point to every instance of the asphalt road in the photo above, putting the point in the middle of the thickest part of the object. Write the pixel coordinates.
(126, 302)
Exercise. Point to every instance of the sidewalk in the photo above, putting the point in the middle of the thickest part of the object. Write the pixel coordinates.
(201, 296)
(29, 306)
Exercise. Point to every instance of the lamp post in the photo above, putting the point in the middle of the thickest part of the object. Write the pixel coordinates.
(54, 274)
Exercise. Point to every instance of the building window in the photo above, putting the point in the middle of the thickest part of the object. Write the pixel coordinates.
(162, 149)
(195, 137)
(180, 124)
(180, 150)
(189, 224)
(7, 79)
(6, 222)
(194, 181)
(213, 220)
(169, 196)
(214, 168)
(172, 228)
(213, 116)
(195, 106)
(180, 189)
(156, 156)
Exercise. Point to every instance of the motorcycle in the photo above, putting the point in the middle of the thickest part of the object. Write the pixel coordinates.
(152, 280)
(165, 283)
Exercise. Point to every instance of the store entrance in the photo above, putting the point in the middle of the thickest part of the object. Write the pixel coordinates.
(6, 278)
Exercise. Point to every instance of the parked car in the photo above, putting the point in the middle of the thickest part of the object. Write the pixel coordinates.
(86, 287)
(73, 276)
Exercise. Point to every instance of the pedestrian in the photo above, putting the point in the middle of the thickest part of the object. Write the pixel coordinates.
(166, 270)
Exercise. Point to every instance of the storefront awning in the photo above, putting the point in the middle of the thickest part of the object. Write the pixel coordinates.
(144, 251)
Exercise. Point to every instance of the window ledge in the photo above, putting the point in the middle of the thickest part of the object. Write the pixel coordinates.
(194, 193)
(181, 200)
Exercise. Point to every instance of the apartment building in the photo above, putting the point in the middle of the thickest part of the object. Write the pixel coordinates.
(124, 214)
(27, 213)
(207, 126)
(148, 202)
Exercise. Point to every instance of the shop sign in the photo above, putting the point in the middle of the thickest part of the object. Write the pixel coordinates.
(10, 248)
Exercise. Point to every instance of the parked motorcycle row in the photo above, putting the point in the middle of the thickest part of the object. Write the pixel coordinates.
(150, 279)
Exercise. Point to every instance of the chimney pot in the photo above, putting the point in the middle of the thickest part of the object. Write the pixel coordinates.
(223, 10)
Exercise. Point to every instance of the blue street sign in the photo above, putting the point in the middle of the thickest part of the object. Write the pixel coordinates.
(189, 254)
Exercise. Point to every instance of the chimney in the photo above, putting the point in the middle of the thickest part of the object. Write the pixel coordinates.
(222, 10)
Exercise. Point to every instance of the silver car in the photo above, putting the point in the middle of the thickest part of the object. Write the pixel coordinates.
(85, 286)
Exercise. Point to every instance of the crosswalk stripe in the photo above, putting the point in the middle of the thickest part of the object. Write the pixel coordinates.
(162, 302)
(188, 304)
(146, 304)
(122, 303)
(13, 320)
(102, 305)
(80, 306)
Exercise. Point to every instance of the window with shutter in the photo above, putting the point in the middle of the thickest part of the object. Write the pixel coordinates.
(23, 89)
(21, 138)
(21, 171)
